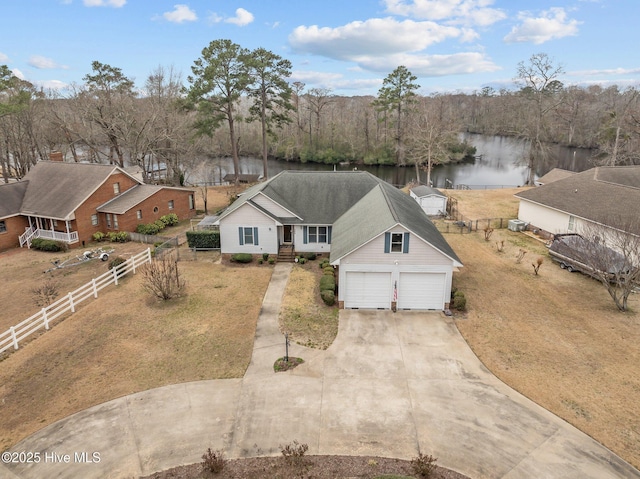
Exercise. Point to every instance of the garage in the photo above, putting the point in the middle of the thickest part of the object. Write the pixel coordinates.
(421, 291)
(370, 290)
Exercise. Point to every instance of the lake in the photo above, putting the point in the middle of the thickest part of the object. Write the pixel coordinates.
(500, 163)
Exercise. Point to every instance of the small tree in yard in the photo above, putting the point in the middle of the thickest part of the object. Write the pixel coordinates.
(537, 264)
(615, 256)
(46, 293)
(162, 278)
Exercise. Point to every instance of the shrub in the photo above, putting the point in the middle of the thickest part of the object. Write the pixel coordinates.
(424, 465)
(322, 264)
(118, 260)
(118, 236)
(310, 256)
(44, 244)
(265, 256)
(147, 229)
(272, 260)
(294, 452)
(328, 270)
(160, 224)
(327, 283)
(242, 258)
(328, 297)
(170, 220)
(203, 239)
(46, 293)
(213, 461)
(302, 260)
(98, 236)
(162, 278)
(459, 301)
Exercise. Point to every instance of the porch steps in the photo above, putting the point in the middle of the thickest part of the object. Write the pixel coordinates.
(286, 254)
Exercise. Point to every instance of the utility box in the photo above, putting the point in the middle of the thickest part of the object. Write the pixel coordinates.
(516, 225)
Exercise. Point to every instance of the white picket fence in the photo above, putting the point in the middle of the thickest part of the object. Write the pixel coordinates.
(46, 316)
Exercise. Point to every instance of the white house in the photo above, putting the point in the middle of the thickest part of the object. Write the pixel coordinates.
(607, 195)
(432, 201)
(387, 252)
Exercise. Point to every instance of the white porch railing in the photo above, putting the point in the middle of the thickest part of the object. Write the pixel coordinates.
(31, 233)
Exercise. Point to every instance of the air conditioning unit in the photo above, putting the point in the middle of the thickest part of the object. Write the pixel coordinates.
(516, 225)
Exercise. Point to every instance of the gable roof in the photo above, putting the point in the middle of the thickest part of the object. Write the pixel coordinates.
(302, 193)
(423, 190)
(11, 196)
(128, 199)
(603, 194)
(554, 175)
(57, 189)
(379, 210)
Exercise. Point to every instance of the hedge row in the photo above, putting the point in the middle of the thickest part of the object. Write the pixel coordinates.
(44, 244)
(158, 225)
(203, 239)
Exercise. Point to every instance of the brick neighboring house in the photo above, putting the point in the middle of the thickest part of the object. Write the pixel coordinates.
(70, 202)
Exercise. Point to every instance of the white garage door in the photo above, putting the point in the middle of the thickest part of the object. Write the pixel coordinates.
(368, 290)
(421, 291)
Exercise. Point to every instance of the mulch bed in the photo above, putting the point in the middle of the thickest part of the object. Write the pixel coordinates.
(310, 467)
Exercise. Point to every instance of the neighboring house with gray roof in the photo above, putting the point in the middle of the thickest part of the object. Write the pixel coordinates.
(387, 251)
(554, 175)
(607, 195)
(69, 202)
(432, 200)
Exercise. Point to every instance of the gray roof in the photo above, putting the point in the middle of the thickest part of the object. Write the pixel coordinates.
(57, 189)
(317, 197)
(378, 211)
(11, 196)
(424, 190)
(554, 175)
(606, 194)
(128, 199)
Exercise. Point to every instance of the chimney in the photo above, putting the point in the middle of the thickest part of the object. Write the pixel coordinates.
(55, 156)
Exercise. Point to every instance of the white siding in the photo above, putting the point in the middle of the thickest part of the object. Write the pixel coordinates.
(298, 241)
(420, 253)
(248, 216)
(547, 219)
(433, 205)
(271, 206)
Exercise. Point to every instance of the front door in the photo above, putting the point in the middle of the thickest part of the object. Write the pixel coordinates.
(287, 234)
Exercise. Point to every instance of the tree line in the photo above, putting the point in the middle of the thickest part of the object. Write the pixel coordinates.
(239, 102)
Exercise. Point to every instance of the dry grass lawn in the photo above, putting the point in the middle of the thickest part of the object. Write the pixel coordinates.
(557, 337)
(125, 342)
(303, 314)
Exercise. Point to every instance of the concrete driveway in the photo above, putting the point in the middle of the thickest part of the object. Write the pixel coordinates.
(392, 384)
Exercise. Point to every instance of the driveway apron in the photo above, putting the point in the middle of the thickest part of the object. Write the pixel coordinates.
(391, 384)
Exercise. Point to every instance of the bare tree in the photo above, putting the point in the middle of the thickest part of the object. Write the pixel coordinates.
(317, 99)
(162, 278)
(540, 87)
(613, 255)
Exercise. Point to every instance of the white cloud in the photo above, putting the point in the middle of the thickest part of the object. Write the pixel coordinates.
(3, 57)
(51, 84)
(18, 73)
(333, 81)
(44, 63)
(104, 3)
(181, 13)
(469, 12)
(551, 24)
(242, 18)
(376, 36)
(607, 71)
(432, 65)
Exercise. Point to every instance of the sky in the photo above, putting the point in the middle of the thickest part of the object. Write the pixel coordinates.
(345, 46)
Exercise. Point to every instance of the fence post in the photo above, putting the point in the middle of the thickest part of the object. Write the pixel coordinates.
(133, 263)
(95, 288)
(115, 275)
(45, 318)
(13, 336)
(73, 306)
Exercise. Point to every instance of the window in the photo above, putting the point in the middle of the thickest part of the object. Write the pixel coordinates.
(170, 204)
(3, 227)
(115, 222)
(108, 215)
(139, 214)
(396, 242)
(248, 235)
(116, 188)
(191, 202)
(317, 234)
(94, 220)
(155, 209)
(572, 223)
